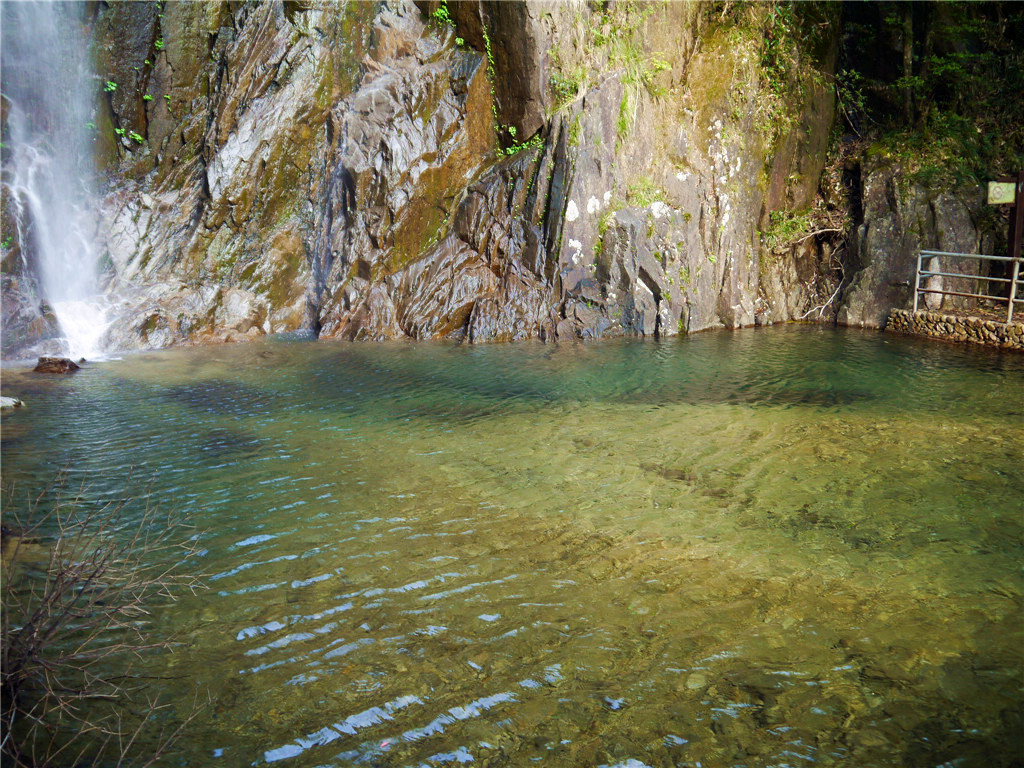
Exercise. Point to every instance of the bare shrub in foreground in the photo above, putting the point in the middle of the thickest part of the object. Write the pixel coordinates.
(79, 583)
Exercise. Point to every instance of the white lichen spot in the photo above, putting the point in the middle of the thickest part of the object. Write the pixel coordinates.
(725, 219)
(571, 211)
(659, 209)
(682, 176)
(607, 197)
(593, 205)
(577, 248)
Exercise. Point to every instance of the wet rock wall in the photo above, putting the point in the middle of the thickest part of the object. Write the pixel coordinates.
(899, 219)
(513, 170)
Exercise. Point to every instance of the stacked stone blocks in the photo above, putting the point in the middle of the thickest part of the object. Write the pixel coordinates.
(975, 330)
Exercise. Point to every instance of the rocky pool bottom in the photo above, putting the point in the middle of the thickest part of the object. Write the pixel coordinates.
(788, 546)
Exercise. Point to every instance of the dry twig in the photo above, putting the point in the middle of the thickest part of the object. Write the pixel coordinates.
(79, 582)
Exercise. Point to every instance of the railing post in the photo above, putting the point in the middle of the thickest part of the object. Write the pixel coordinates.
(917, 280)
(1016, 232)
(1013, 290)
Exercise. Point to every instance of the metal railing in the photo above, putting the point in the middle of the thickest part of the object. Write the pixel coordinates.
(1016, 281)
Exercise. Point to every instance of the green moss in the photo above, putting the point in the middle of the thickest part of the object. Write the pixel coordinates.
(643, 192)
(424, 221)
(575, 129)
(786, 227)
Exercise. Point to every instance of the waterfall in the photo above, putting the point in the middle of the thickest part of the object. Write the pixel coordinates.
(48, 93)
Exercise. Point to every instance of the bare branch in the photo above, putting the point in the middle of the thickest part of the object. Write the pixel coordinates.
(79, 585)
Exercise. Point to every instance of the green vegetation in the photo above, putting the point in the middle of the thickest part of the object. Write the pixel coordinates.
(159, 44)
(602, 226)
(566, 85)
(147, 97)
(109, 87)
(643, 192)
(789, 42)
(617, 39)
(937, 87)
(575, 129)
(786, 227)
(442, 16)
(536, 142)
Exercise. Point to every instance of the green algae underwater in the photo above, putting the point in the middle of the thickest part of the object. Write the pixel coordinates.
(789, 546)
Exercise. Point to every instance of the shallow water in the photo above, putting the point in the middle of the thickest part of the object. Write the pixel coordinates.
(794, 546)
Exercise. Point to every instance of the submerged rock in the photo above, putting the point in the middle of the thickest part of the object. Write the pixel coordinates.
(56, 365)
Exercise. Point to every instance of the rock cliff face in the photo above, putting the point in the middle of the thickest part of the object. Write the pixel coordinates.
(899, 219)
(480, 170)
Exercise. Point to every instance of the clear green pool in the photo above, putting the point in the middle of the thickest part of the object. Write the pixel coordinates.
(783, 547)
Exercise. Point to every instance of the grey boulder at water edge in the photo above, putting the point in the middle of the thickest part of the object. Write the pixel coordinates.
(485, 171)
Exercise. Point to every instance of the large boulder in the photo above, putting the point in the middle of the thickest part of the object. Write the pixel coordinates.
(900, 218)
(56, 365)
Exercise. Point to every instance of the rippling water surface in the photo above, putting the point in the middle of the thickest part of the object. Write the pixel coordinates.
(789, 547)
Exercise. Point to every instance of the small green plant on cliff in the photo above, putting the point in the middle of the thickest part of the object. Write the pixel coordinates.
(535, 143)
(501, 129)
(442, 15)
(159, 44)
(566, 87)
(109, 87)
(147, 97)
(785, 40)
(786, 228)
(625, 45)
(643, 192)
(135, 137)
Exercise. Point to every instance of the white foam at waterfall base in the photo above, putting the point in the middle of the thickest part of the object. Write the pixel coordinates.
(49, 89)
(83, 324)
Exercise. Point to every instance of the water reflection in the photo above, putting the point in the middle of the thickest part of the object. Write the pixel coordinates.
(777, 548)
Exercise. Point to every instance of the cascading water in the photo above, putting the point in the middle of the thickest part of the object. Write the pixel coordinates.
(48, 92)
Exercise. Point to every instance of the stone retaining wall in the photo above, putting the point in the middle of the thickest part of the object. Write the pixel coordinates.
(954, 328)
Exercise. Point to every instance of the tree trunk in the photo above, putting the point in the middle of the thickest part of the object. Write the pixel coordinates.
(908, 63)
